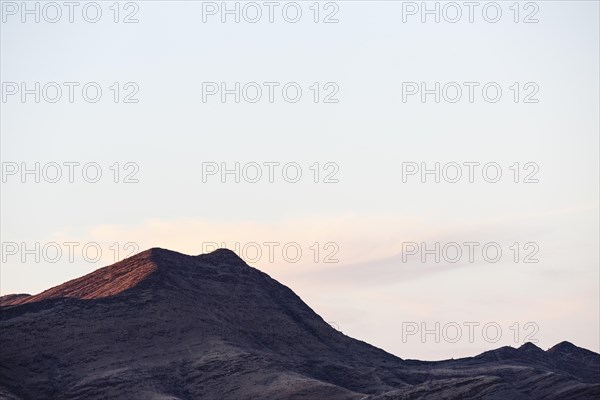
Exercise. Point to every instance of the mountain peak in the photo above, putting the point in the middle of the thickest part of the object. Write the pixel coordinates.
(219, 256)
(565, 347)
(126, 274)
(564, 344)
(224, 256)
(528, 346)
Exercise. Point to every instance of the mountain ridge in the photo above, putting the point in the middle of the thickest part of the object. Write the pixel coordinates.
(176, 326)
(117, 277)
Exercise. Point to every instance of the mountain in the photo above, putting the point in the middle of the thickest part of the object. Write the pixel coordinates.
(164, 325)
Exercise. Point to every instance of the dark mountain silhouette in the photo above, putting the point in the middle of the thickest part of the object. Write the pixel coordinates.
(163, 325)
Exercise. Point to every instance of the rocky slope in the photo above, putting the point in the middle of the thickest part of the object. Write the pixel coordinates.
(163, 325)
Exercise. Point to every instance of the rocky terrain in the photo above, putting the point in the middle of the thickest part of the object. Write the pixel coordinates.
(164, 325)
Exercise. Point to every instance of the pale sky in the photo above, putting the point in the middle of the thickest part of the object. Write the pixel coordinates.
(366, 219)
